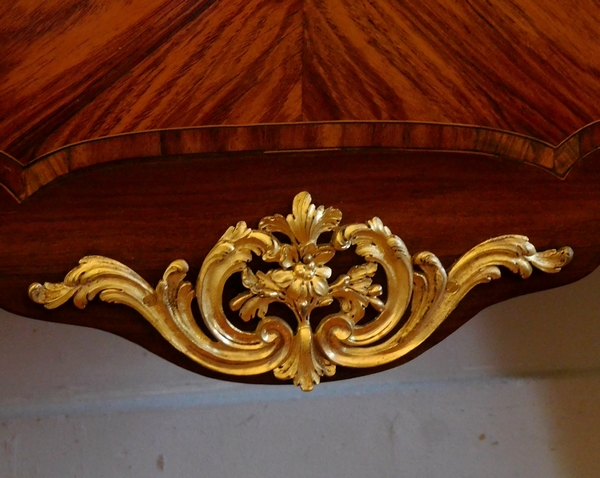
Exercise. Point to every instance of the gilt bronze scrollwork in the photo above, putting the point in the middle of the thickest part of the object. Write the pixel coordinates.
(299, 278)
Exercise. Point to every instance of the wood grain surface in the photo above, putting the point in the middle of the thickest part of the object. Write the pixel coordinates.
(73, 70)
(519, 65)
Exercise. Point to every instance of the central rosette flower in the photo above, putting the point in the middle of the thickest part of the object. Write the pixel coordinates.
(305, 280)
(301, 281)
(301, 284)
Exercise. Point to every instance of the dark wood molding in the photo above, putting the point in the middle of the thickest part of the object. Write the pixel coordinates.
(23, 180)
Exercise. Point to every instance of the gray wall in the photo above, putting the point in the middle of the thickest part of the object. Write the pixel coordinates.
(514, 393)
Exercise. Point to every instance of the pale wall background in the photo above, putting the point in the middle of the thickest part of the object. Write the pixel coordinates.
(514, 393)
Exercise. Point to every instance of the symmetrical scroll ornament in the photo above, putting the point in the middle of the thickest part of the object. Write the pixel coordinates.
(299, 278)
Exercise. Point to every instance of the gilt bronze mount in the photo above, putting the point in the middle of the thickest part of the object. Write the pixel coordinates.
(420, 293)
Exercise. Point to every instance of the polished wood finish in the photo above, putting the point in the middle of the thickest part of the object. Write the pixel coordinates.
(518, 65)
(73, 71)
